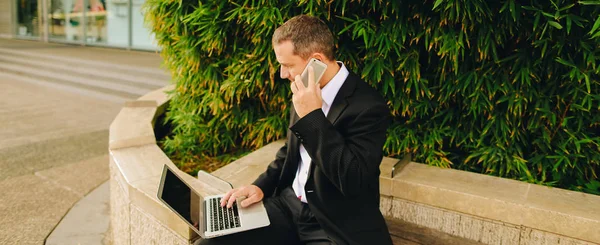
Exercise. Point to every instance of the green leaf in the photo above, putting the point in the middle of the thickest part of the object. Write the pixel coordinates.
(565, 62)
(569, 23)
(513, 11)
(536, 21)
(587, 82)
(589, 2)
(596, 25)
(555, 24)
(566, 7)
(437, 3)
(548, 15)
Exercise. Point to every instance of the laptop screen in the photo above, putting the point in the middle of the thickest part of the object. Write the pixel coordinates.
(182, 199)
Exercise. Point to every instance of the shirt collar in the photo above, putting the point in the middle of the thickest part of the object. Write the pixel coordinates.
(331, 89)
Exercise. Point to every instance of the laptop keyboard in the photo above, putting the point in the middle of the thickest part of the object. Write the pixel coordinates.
(222, 217)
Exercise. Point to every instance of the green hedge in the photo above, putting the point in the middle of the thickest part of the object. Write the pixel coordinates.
(506, 88)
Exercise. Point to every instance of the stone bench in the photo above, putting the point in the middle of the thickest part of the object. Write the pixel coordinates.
(426, 199)
(245, 170)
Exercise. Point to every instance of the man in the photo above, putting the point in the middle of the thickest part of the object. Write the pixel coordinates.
(323, 186)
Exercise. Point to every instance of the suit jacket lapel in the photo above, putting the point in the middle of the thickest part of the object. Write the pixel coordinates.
(340, 102)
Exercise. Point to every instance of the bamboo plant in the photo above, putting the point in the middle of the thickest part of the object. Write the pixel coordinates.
(506, 88)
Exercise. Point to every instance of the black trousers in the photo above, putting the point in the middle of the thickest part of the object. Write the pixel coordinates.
(292, 223)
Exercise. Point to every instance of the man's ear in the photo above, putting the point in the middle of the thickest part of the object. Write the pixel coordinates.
(319, 56)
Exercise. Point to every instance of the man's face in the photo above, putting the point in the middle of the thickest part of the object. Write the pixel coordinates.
(291, 64)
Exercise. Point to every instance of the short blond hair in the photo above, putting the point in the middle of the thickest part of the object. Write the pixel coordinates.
(308, 35)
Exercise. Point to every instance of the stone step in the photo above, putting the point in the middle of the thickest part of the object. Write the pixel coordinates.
(58, 77)
(68, 87)
(82, 71)
(152, 76)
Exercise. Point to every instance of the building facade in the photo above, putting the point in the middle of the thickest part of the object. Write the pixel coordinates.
(112, 23)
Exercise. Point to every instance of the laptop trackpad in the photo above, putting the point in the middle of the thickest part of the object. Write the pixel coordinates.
(253, 216)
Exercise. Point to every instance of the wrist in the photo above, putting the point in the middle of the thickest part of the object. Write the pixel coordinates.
(309, 111)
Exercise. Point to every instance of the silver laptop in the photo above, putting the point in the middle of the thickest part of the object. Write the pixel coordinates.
(205, 215)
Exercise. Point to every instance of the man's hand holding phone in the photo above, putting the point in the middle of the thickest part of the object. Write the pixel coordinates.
(306, 98)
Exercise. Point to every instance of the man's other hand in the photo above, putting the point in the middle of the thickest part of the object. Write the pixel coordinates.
(251, 193)
(306, 99)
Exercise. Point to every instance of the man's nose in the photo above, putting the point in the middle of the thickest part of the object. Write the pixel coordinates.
(284, 73)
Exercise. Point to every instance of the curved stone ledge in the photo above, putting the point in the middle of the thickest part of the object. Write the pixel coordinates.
(487, 209)
(136, 162)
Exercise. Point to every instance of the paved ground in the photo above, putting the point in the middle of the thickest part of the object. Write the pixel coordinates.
(87, 222)
(147, 59)
(53, 149)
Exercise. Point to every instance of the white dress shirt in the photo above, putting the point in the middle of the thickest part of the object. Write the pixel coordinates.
(328, 94)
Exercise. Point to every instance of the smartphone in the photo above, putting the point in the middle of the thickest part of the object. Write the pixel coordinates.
(319, 69)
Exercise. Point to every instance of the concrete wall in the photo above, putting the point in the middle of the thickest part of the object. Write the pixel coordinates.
(484, 230)
(489, 209)
(131, 223)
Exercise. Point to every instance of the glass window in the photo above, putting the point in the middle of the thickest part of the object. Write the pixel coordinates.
(28, 21)
(141, 35)
(96, 22)
(66, 20)
(117, 23)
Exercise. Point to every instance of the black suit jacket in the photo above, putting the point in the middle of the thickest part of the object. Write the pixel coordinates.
(342, 188)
